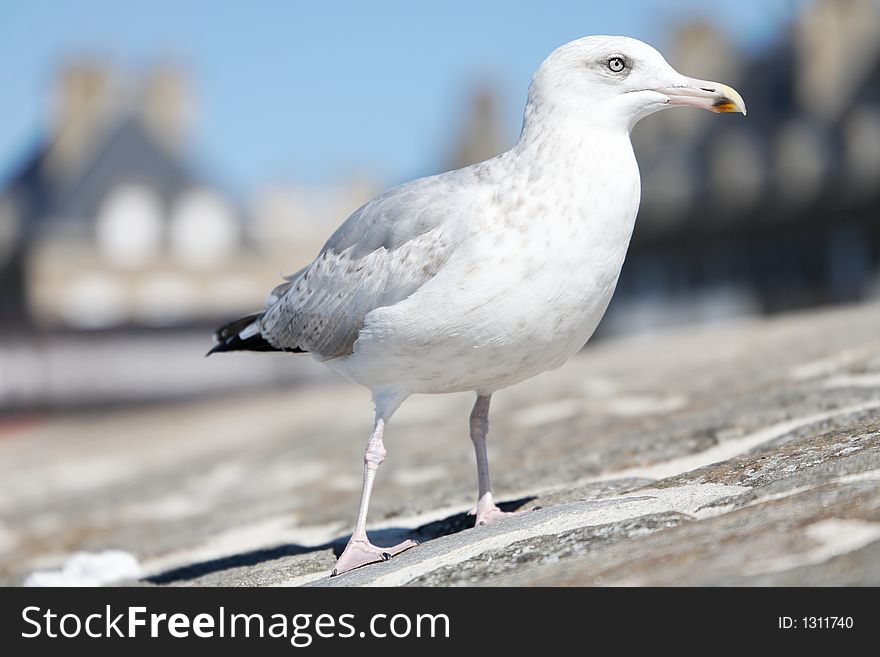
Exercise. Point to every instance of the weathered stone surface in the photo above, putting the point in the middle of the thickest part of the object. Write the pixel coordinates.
(740, 454)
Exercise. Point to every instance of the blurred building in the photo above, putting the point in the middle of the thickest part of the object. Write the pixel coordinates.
(289, 223)
(106, 223)
(777, 211)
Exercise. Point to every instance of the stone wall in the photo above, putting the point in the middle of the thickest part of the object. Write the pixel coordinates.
(744, 453)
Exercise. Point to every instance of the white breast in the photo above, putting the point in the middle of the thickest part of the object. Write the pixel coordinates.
(522, 294)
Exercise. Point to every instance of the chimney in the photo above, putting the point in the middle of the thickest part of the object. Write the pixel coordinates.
(701, 50)
(167, 106)
(837, 42)
(83, 102)
(480, 138)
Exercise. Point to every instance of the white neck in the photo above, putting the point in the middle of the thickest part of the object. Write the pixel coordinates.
(551, 131)
(588, 171)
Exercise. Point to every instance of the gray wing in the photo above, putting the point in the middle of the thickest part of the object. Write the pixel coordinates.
(383, 253)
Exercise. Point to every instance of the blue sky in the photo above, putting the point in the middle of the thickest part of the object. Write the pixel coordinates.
(312, 91)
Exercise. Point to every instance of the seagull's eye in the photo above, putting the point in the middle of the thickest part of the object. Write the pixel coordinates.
(616, 64)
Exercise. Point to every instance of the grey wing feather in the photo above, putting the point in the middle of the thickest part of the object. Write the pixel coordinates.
(280, 290)
(383, 253)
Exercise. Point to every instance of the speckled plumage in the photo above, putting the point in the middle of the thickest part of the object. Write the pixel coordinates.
(479, 278)
(382, 254)
(476, 278)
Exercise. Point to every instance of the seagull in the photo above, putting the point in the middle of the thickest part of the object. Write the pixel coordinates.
(482, 277)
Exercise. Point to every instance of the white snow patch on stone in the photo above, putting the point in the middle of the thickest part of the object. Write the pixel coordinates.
(89, 569)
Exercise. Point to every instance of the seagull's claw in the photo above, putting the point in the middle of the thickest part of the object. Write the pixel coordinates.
(492, 514)
(360, 552)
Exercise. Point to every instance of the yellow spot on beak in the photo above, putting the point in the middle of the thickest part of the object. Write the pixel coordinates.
(729, 101)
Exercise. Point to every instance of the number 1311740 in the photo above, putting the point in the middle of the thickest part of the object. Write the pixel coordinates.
(815, 622)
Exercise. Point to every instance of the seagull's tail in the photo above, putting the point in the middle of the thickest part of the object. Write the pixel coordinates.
(243, 334)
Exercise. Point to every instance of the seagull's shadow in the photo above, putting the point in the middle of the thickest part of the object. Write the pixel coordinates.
(389, 536)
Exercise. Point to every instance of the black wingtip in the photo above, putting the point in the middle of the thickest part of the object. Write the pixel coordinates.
(253, 343)
(235, 343)
(231, 343)
(228, 338)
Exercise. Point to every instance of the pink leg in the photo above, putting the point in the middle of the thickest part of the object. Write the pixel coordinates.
(486, 510)
(359, 551)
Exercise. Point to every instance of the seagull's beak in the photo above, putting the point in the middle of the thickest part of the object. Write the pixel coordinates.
(713, 96)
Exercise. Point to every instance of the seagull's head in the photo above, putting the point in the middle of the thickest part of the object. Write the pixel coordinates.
(615, 81)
